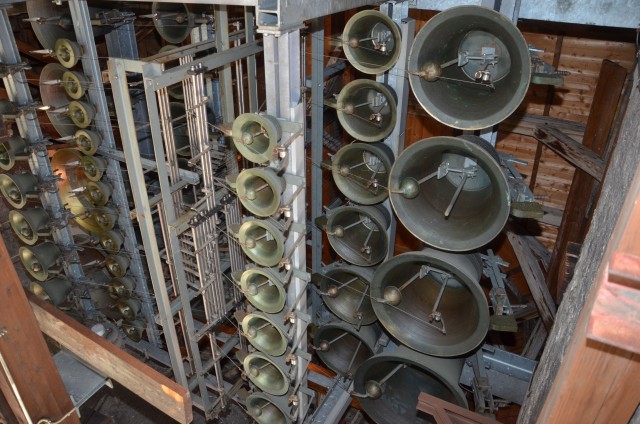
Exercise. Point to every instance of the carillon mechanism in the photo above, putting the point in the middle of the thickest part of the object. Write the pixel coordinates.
(166, 190)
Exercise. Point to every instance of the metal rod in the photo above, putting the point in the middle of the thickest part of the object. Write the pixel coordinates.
(439, 297)
(389, 375)
(365, 246)
(347, 283)
(338, 338)
(411, 280)
(456, 194)
(353, 358)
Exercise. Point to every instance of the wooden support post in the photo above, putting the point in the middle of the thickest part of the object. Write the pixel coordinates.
(570, 150)
(535, 279)
(577, 379)
(26, 355)
(597, 381)
(576, 217)
(112, 362)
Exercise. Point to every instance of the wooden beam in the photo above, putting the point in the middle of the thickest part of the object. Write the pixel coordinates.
(587, 378)
(597, 382)
(525, 124)
(25, 353)
(112, 362)
(536, 341)
(570, 150)
(448, 413)
(580, 205)
(535, 279)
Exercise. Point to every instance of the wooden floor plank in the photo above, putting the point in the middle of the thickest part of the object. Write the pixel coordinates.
(112, 362)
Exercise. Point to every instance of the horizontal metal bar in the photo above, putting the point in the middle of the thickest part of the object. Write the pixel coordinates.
(175, 187)
(330, 71)
(149, 165)
(190, 49)
(156, 79)
(621, 13)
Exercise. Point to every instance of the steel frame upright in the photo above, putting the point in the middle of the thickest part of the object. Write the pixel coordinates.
(282, 57)
(84, 35)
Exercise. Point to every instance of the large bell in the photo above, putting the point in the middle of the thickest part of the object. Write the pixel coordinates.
(40, 260)
(267, 409)
(371, 42)
(391, 382)
(432, 301)
(54, 291)
(256, 136)
(359, 233)
(266, 332)
(367, 110)
(262, 241)
(343, 348)
(18, 188)
(267, 373)
(264, 288)
(361, 171)
(450, 192)
(346, 293)
(173, 21)
(53, 95)
(52, 20)
(259, 190)
(15, 148)
(469, 67)
(30, 224)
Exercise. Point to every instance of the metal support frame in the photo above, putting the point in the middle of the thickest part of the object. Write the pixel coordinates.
(191, 237)
(399, 12)
(499, 373)
(335, 403)
(84, 34)
(29, 128)
(282, 56)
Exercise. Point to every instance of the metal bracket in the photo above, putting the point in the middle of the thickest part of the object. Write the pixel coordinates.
(503, 319)
(496, 372)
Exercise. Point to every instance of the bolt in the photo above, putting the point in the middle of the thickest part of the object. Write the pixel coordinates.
(3, 331)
